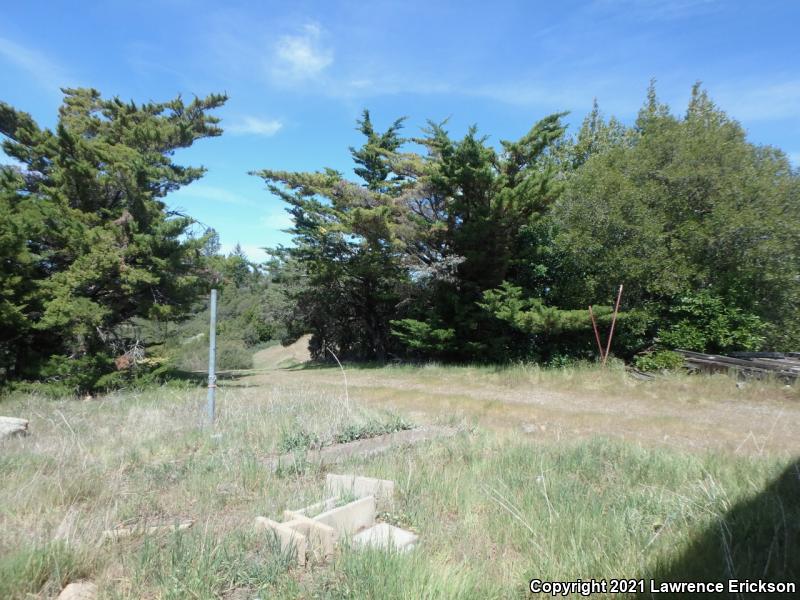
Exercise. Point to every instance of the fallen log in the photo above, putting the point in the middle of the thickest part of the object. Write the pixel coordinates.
(786, 369)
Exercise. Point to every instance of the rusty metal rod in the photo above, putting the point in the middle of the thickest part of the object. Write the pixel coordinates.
(613, 322)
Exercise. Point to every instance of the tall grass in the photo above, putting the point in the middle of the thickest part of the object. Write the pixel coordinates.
(492, 510)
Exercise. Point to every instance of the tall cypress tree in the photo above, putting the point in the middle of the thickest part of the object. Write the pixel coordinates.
(100, 244)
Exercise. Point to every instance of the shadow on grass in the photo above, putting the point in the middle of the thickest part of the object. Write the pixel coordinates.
(757, 539)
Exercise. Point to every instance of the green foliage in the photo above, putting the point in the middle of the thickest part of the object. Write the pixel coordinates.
(420, 337)
(75, 374)
(661, 360)
(704, 322)
(530, 315)
(346, 245)
(399, 263)
(90, 241)
(560, 333)
(678, 206)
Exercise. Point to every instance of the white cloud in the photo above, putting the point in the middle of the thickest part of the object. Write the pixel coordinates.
(301, 56)
(209, 192)
(255, 126)
(45, 72)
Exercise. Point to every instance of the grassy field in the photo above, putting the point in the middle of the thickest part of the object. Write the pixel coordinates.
(537, 484)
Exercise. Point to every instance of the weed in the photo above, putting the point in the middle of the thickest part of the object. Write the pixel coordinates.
(297, 439)
(372, 428)
(31, 568)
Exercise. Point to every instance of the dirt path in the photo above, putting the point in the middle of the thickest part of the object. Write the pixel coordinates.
(690, 415)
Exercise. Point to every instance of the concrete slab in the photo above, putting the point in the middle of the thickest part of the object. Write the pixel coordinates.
(291, 540)
(350, 518)
(360, 487)
(386, 536)
(365, 448)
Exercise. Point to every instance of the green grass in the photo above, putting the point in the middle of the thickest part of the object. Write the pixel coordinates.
(492, 510)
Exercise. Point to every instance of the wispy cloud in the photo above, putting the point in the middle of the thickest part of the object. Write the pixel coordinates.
(249, 125)
(213, 193)
(39, 67)
(301, 56)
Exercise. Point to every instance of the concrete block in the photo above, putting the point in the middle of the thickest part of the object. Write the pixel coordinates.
(386, 536)
(291, 540)
(10, 426)
(360, 487)
(82, 590)
(321, 538)
(350, 518)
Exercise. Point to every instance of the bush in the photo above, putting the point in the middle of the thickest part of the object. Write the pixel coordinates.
(65, 376)
(661, 360)
(706, 323)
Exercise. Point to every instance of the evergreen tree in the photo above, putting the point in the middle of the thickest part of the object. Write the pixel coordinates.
(100, 244)
(345, 239)
(687, 207)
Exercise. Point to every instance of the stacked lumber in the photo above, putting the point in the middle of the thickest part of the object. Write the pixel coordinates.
(783, 365)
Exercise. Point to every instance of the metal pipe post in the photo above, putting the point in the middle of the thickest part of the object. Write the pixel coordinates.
(212, 358)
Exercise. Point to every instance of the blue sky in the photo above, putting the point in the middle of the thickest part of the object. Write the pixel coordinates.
(299, 74)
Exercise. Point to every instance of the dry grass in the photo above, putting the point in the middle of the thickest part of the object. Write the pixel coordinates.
(677, 410)
(494, 508)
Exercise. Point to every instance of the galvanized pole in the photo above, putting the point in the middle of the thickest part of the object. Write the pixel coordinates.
(212, 358)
